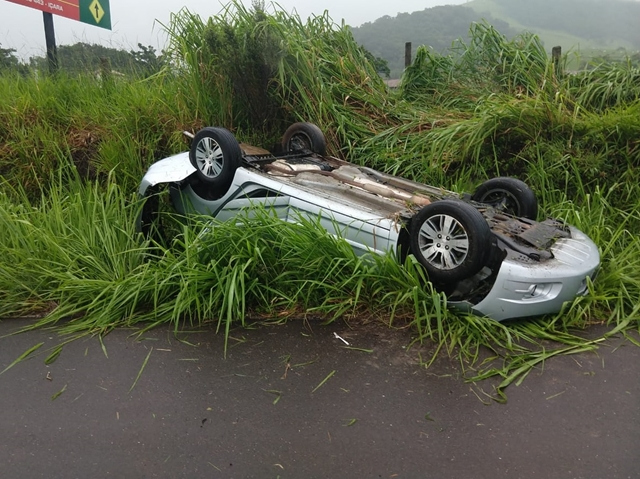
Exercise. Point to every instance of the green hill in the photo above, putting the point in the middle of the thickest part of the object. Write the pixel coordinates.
(586, 23)
(576, 25)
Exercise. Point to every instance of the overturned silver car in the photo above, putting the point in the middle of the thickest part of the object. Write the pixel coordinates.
(486, 251)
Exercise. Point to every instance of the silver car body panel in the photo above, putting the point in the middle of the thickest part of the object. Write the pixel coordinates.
(544, 287)
(371, 221)
(170, 170)
(355, 218)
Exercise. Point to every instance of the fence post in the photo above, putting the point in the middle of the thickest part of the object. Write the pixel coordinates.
(556, 54)
(407, 54)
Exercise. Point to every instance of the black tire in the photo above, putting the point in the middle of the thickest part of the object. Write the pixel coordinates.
(148, 222)
(451, 239)
(151, 222)
(508, 195)
(304, 136)
(216, 155)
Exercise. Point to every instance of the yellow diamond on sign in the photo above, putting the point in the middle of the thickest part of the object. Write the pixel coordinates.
(96, 10)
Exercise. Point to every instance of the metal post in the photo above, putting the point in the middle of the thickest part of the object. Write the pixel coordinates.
(407, 54)
(50, 37)
(556, 55)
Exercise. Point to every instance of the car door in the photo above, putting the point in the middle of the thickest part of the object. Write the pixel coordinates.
(252, 196)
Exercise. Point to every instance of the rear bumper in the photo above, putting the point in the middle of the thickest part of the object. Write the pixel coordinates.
(522, 290)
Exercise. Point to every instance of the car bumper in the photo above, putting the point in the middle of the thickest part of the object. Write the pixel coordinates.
(173, 169)
(522, 290)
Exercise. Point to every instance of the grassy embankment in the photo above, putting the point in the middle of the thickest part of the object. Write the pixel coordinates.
(73, 150)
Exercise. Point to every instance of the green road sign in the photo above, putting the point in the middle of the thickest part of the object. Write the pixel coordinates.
(93, 12)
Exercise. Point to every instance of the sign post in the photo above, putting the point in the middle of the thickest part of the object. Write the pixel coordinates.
(50, 38)
(92, 12)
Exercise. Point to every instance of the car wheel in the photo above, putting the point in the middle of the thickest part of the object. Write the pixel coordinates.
(304, 136)
(151, 221)
(216, 155)
(508, 195)
(148, 220)
(450, 239)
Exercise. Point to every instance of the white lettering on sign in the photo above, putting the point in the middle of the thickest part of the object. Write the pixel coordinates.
(39, 2)
(54, 6)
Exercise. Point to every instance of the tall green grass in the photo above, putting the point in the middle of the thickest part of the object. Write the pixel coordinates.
(75, 255)
(495, 102)
(75, 258)
(48, 123)
(72, 151)
(256, 72)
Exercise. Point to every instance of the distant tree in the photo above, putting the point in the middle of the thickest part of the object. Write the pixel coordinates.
(83, 57)
(146, 61)
(7, 58)
(9, 62)
(380, 64)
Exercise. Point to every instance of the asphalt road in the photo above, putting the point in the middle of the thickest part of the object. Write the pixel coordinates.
(333, 413)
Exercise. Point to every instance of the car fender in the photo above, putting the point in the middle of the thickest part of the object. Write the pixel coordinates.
(170, 170)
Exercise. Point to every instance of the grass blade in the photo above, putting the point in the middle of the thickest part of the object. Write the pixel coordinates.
(22, 357)
(144, 363)
(324, 381)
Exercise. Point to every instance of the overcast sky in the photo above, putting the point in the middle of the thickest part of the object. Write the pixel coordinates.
(133, 21)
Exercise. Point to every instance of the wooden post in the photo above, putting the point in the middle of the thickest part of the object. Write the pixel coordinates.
(407, 54)
(556, 54)
(50, 38)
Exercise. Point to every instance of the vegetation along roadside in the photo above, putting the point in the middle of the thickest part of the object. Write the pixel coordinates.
(73, 148)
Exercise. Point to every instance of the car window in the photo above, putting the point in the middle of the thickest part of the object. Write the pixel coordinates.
(260, 193)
